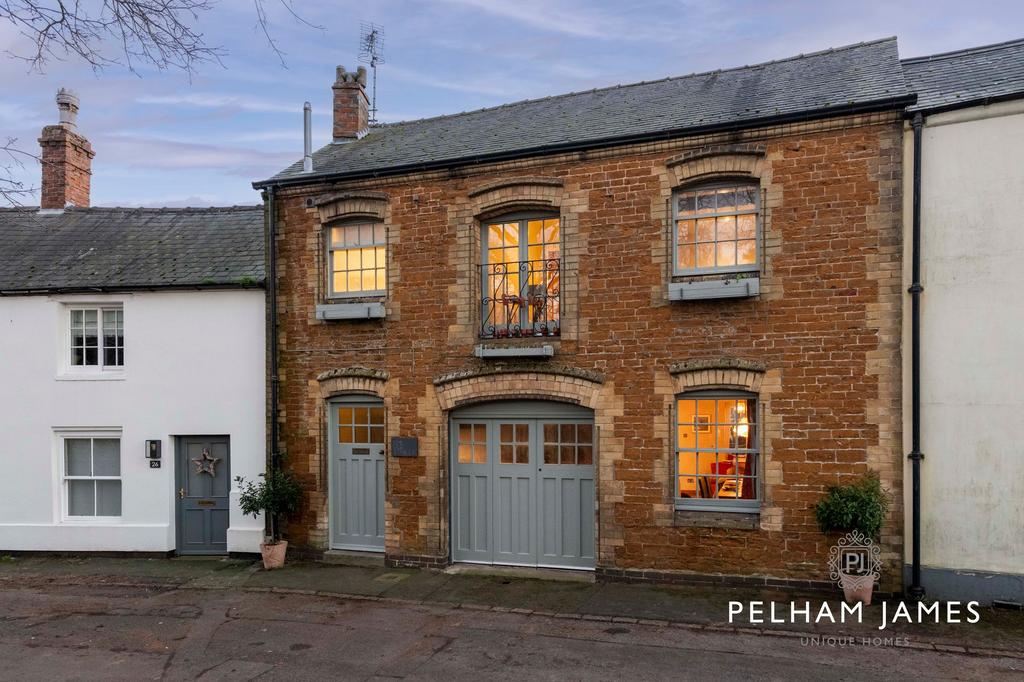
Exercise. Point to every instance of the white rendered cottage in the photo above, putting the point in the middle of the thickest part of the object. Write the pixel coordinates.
(132, 350)
(970, 121)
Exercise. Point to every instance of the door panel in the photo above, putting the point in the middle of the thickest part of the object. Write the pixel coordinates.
(567, 501)
(515, 497)
(203, 476)
(532, 501)
(471, 492)
(567, 510)
(357, 475)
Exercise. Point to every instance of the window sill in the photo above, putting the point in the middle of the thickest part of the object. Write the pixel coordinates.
(373, 310)
(739, 520)
(92, 376)
(487, 352)
(379, 293)
(714, 289)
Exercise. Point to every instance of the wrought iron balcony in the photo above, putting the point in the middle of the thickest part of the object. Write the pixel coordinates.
(521, 299)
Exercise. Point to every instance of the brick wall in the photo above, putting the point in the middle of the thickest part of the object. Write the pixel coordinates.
(823, 335)
(67, 161)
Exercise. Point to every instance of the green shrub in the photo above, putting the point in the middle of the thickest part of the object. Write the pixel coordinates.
(857, 506)
(277, 495)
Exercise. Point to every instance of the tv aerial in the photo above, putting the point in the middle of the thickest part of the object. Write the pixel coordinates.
(371, 51)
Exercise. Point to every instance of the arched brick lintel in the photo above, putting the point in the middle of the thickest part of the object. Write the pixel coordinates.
(352, 380)
(719, 161)
(514, 195)
(351, 206)
(726, 373)
(518, 386)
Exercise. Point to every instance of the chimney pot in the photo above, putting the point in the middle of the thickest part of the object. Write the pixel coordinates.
(67, 105)
(66, 158)
(351, 105)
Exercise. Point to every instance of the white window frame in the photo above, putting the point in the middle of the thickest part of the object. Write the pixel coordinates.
(677, 271)
(331, 248)
(65, 434)
(100, 368)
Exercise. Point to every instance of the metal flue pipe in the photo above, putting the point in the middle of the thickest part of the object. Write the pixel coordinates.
(307, 135)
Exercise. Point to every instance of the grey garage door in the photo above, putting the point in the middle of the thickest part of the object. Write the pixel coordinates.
(523, 484)
(356, 437)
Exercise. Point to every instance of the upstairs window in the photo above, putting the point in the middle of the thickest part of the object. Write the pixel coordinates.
(717, 456)
(716, 228)
(356, 260)
(521, 277)
(97, 338)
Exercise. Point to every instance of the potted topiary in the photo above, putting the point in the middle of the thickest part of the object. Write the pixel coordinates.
(857, 509)
(277, 495)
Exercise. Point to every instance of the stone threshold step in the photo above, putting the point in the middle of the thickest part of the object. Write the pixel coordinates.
(340, 557)
(563, 574)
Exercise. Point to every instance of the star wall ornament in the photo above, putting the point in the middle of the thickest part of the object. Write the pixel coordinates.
(206, 464)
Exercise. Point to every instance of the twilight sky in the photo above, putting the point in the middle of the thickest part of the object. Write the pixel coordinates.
(162, 140)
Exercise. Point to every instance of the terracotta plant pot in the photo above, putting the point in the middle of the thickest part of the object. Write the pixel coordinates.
(273, 554)
(857, 589)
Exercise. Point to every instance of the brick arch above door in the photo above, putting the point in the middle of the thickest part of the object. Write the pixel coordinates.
(344, 380)
(571, 385)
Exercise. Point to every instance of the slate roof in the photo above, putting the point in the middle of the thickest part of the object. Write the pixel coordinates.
(857, 76)
(967, 77)
(130, 248)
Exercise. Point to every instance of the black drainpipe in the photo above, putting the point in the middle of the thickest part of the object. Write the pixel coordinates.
(916, 591)
(275, 458)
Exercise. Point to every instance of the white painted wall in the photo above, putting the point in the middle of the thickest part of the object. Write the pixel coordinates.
(194, 365)
(972, 348)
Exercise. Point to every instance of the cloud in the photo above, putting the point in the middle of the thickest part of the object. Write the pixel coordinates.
(16, 115)
(171, 201)
(492, 86)
(211, 100)
(154, 153)
(547, 16)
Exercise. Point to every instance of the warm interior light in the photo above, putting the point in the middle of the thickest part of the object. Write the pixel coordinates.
(743, 428)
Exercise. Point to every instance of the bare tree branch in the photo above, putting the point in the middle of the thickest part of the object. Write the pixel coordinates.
(161, 33)
(263, 24)
(11, 158)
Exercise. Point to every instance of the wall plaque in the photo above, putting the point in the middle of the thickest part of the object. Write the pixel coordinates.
(405, 446)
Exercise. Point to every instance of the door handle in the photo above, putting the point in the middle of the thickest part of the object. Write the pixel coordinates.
(181, 493)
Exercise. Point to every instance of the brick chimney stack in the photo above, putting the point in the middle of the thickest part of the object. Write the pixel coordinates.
(351, 106)
(67, 158)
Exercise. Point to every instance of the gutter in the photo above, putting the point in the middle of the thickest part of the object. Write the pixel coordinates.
(985, 101)
(900, 102)
(129, 288)
(916, 591)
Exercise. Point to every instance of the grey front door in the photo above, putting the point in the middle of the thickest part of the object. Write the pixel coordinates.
(356, 437)
(523, 485)
(203, 485)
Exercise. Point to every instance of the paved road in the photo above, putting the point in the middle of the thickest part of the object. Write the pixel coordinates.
(150, 633)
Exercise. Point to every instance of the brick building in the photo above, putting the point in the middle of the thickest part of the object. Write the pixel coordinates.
(637, 330)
